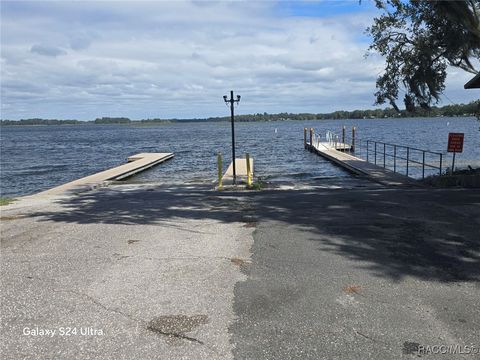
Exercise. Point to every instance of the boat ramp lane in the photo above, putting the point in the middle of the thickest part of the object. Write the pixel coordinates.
(136, 163)
(341, 153)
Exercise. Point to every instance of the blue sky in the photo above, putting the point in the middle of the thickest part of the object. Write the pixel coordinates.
(322, 8)
(86, 59)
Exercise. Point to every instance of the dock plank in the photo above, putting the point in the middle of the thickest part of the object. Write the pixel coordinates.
(135, 164)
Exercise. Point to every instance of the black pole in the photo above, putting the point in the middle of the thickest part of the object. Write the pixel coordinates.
(453, 162)
(233, 137)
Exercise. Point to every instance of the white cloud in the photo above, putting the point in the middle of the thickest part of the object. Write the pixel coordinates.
(177, 59)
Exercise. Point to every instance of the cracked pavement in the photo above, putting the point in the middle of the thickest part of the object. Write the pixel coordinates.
(162, 272)
(120, 271)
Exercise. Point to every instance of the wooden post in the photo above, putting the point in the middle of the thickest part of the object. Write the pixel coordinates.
(354, 129)
(220, 179)
(343, 135)
(311, 137)
(305, 137)
(249, 170)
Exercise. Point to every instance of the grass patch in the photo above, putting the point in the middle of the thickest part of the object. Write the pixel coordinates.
(469, 171)
(466, 178)
(258, 185)
(5, 201)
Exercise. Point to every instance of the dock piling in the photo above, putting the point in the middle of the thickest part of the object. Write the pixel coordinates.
(305, 137)
(311, 136)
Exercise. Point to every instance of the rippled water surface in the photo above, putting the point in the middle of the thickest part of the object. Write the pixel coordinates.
(34, 158)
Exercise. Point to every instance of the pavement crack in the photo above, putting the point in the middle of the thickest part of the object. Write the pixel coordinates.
(98, 303)
(153, 325)
(366, 336)
(177, 325)
(176, 335)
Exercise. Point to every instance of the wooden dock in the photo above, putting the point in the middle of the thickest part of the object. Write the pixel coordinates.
(360, 166)
(135, 164)
(241, 171)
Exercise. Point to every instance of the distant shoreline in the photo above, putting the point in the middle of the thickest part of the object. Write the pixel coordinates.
(18, 123)
(13, 123)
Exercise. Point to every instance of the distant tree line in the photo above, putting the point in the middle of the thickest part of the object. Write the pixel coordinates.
(112, 120)
(471, 109)
(37, 121)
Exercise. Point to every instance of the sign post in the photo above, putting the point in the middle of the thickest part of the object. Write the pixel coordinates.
(455, 144)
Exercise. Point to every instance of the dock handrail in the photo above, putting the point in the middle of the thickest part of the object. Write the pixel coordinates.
(401, 156)
(377, 152)
(332, 138)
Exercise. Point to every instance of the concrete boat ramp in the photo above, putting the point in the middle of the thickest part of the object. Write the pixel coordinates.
(136, 163)
(144, 271)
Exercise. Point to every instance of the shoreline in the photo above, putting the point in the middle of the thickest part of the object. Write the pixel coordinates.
(201, 121)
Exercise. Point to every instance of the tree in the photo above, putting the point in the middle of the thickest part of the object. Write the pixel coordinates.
(419, 40)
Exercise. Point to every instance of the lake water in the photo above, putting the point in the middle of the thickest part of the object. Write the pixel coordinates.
(35, 158)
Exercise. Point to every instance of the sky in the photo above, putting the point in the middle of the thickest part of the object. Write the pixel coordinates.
(176, 59)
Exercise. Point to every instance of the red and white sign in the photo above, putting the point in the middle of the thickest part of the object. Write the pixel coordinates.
(455, 142)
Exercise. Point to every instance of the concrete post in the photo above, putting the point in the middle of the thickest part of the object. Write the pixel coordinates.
(249, 170)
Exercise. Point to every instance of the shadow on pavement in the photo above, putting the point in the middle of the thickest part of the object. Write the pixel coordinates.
(429, 234)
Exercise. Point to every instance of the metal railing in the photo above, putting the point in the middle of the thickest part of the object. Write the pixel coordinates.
(333, 139)
(408, 160)
(403, 159)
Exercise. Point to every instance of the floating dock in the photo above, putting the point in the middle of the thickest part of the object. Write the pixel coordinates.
(240, 169)
(360, 166)
(135, 164)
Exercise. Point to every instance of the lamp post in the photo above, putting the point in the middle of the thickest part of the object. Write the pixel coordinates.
(232, 102)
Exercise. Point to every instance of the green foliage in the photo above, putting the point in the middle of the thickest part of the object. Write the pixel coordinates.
(419, 39)
(5, 201)
(37, 121)
(112, 120)
(258, 185)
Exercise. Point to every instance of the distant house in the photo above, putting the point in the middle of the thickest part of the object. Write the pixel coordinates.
(473, 83)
